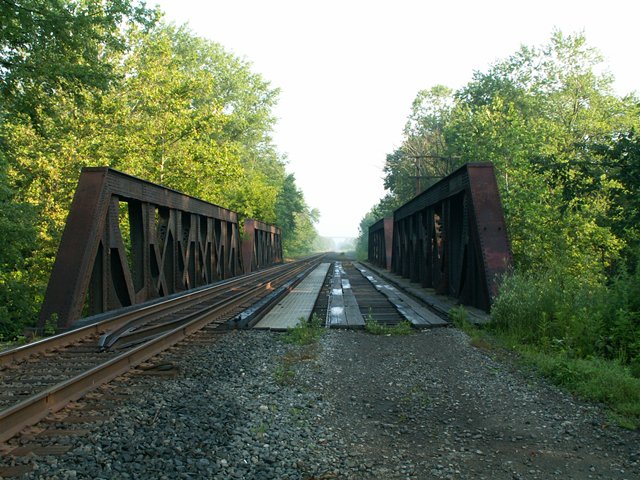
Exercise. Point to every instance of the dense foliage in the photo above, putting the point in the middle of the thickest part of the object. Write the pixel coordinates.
(567, 155)
(87, 82)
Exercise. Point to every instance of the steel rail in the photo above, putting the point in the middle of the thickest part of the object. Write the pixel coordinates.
(165, 306)
(139, 332)
(37, 407)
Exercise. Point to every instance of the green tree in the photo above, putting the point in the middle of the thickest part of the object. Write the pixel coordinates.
(165, 121)
(50, 53)
(620, 161)
(60, 45)
(424, 156)
(157, 102)
(17, 230)
(534, 115)
(566, 152)
(289, 203)
(425, 143)
(305, 236)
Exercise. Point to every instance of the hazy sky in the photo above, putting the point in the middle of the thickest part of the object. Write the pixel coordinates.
(349, 70)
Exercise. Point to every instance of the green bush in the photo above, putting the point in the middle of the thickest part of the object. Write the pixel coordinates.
(559, 312)
(549, 309)
(19, 303)
(600, 380)
(621, 314)
(582, 334)
(459, 316)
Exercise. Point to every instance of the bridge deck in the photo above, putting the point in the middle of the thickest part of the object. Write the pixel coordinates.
(298, 304)
(415, 313)
(344, 311)
(440, 303)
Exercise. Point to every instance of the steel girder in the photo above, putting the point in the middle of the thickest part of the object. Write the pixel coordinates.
(381, 243)
(452, 237)
(127, 240)
(261, 245)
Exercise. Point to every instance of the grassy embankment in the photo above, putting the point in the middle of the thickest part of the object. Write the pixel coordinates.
(583, 337)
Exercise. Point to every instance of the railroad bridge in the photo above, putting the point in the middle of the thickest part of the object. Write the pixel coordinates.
(142, 268)
(451, 237)
(128, 241)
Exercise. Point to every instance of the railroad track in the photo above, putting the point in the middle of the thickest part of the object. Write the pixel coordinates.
(371, 302)
(42, 377)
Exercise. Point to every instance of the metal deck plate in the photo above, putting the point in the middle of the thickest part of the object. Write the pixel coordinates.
(297, 304)
(418, 315)
(343, 309)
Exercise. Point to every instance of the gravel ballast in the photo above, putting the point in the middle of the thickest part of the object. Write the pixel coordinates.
(353, 405)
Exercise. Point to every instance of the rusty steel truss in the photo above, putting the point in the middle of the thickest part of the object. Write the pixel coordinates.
(261, 245)
(451, 237)
(127, 241)
(381, 242)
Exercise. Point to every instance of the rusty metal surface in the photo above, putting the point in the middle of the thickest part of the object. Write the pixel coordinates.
(261, 245)
(371, 303)
(91, 368)
(452, 237)
(127, 241)
(381, 243)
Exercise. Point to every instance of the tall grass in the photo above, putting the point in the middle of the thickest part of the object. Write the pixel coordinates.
(596, 379)
(583, 333)
(550, 311)
(559, 312)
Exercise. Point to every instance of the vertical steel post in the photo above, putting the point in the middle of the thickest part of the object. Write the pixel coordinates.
(452, 237)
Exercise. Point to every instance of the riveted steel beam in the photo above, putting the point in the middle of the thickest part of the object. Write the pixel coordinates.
(261, 245)
(381, 243)
(452, 237)
(128, 240)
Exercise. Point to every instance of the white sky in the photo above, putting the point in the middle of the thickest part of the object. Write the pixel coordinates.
(349, 70)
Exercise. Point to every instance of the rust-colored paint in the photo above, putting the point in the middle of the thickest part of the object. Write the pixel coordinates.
(261, 245)
(128, 240)
(452, 237)
(388, 241)
(381, 243)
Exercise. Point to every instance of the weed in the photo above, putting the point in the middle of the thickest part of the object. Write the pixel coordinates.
(481, 342)
(479, 338)
(50, 325)
(558, 312)
(623, 421)
(594, 379)
(579, 331)
(458, 316)
(284, 374)
(375, 328)
(416, 395)
(305, 333)
(261, 429)
(295, 411)
(634, 368)
(299, 355)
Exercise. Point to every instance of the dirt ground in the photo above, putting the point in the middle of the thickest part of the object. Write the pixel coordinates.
(430, 405)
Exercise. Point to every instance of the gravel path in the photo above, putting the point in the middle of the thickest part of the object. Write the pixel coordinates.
(352, 406)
